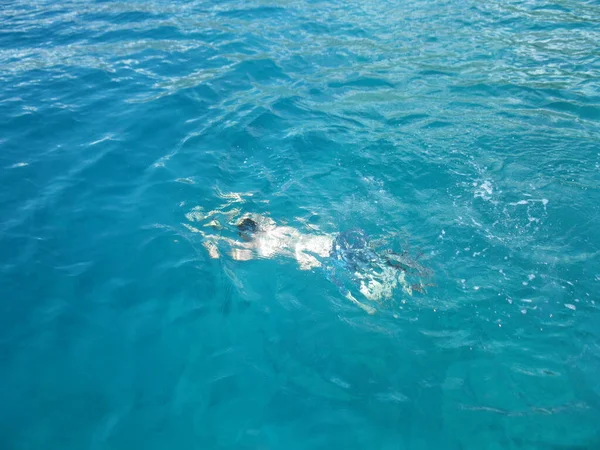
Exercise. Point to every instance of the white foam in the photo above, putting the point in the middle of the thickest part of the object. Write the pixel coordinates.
(484, 190)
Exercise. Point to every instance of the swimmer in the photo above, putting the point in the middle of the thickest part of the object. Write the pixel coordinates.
(261, 238)
(347, 257)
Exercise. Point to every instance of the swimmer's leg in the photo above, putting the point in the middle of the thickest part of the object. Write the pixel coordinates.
(368, 309)
(347, 294)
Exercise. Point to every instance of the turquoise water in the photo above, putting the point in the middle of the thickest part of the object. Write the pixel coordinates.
(464, 133)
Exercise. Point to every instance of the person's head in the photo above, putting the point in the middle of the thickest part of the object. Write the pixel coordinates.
(246, 228)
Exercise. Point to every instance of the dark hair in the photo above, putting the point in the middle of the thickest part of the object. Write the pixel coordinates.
(247, 226)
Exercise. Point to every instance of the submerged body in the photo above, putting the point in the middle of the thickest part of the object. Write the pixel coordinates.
(267, 240)
(347, 258)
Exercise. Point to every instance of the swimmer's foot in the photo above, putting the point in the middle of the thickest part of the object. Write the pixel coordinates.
(368, 309)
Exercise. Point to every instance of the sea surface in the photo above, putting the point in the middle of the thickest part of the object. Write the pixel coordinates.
(463, 134)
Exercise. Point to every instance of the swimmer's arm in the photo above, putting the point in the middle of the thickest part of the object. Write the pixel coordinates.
(209, 241)
(212, 249)
(240, 251)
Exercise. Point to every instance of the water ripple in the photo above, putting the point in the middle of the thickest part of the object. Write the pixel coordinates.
(463, 133)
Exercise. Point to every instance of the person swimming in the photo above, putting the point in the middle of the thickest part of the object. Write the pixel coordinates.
(349, 259)
(262, 238)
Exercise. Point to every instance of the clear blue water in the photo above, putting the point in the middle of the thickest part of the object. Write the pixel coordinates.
(464, 132)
